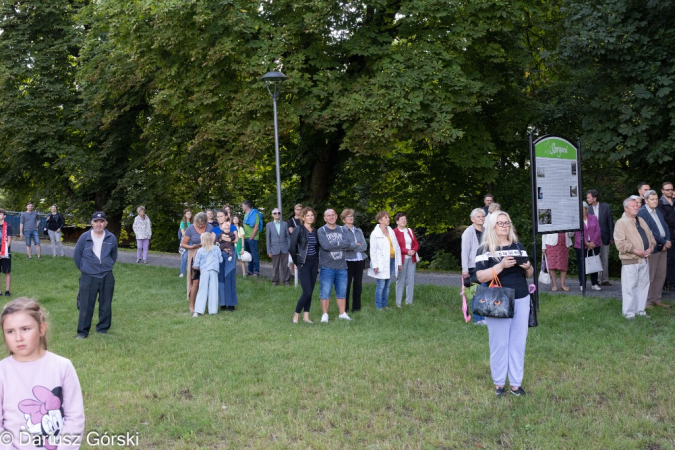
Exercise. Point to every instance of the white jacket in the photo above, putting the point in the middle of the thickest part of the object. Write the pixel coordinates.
(552, 239)
(380, 251)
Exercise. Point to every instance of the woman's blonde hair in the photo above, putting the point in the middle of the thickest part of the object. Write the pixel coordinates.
(494, 207)
(490, 242)
(140, 208)
(30, 307)
(345, 213)
(207, 241)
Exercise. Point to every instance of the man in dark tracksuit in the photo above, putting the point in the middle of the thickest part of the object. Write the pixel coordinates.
(95, 254)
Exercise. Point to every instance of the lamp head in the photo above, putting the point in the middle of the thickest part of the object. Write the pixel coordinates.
(273, 82)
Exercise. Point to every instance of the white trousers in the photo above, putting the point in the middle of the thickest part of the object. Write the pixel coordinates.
(634, 288)
(406, 280)
(507, 344)
(208, 288)
(55, 239)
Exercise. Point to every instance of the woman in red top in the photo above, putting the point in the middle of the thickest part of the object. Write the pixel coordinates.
(409, 246)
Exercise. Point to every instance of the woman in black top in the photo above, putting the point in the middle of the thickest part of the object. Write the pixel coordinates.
(305, 254)
(497, 257)
(54, 224)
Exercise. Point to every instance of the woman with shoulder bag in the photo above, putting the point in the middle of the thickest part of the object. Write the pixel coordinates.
(471, 239)
(54, 225)
(409, 257)
(555, 246)
(592, 243)
(507, 337)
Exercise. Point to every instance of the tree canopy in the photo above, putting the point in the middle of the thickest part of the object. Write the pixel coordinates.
(414, 105)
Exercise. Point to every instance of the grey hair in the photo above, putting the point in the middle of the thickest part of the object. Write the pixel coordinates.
(476, 211)
(628, 200)
(650, 192)
(200, 217)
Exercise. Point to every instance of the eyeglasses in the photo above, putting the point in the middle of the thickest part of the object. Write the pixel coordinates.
(667, 190)
(349, 217)
(275, 213)
(504, 224)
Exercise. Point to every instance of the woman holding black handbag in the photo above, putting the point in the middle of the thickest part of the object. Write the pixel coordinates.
(502, 256)
(54, 225)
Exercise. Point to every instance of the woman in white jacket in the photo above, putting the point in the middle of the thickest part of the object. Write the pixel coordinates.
(555, 247)
(384, 252)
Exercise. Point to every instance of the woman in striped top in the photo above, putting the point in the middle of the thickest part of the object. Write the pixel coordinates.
(305, 254)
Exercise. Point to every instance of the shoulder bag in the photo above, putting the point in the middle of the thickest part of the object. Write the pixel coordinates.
(593, 263)
(544, 276)
(494, 301)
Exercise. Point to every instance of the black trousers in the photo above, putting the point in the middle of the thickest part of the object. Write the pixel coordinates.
(90, 288)
(307, 274)
(355, 275)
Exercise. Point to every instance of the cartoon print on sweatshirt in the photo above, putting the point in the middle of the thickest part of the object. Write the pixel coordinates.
(44, 417)
(334, 238)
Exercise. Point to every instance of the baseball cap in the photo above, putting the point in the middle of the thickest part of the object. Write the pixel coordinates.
(98, 215)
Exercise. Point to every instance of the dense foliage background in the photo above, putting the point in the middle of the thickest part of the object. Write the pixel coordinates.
(414, 105)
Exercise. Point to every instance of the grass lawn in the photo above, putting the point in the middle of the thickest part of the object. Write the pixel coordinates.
(415, 378)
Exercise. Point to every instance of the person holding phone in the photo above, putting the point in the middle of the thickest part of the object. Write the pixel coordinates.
(497, 256)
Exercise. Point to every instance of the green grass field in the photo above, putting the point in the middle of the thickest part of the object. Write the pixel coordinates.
(415, 378)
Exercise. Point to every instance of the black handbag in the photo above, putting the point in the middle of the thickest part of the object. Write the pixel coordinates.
(494, 301)
(532, 320)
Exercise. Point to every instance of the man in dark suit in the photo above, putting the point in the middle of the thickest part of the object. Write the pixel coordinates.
(278, 244)
(667, 207)
(604, 214)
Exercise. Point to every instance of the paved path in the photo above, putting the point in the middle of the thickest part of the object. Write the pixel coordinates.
(422, 277)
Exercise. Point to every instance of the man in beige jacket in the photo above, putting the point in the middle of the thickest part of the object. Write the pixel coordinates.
(635, 242)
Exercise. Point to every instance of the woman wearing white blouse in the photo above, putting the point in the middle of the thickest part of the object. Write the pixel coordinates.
(409, 247)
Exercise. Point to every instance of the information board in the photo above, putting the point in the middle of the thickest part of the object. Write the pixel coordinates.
(556, 185)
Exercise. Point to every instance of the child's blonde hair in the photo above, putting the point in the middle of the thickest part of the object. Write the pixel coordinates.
(30, 307)
(207, 241)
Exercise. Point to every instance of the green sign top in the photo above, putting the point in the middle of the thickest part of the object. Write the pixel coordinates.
(555, 147)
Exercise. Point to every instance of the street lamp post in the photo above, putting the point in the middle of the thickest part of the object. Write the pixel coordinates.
(273, 82)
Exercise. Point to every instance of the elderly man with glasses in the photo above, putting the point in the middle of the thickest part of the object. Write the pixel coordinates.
(278, 244)
(635, 243)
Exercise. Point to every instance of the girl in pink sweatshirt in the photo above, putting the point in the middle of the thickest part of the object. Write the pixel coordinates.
(40, 396)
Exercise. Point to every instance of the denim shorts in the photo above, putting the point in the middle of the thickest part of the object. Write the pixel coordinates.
(330, 277)
(33, 234)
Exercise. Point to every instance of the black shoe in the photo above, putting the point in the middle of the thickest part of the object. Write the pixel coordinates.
(671, 288)
(82, 336)
(500, 392)
(223, 308)
(7, 294)
(102, 332)
(520, 392)
(230, 308)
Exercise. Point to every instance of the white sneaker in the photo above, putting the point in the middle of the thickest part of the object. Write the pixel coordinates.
(581, 288)
(595, 287)
(344, 316)
(196, 314)
(180, 276)
(324, 318)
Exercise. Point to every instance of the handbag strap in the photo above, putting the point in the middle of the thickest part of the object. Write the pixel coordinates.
(467, 317)
(495, 280)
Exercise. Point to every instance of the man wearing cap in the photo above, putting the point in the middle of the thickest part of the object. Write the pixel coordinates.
(278, 245)
(94, 255)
